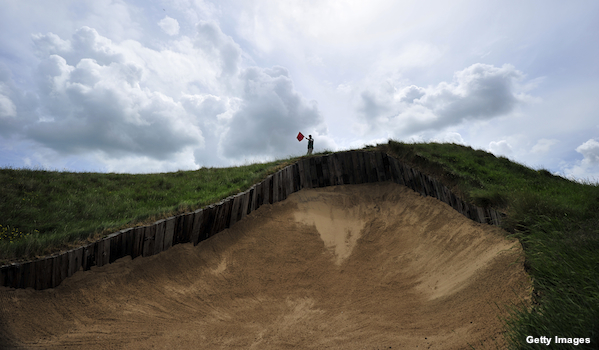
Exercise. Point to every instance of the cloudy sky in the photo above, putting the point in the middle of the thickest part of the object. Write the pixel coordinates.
(151, 86)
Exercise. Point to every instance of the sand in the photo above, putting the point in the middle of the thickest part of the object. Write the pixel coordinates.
(373, 266)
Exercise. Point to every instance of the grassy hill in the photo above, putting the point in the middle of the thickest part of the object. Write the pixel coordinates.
(555, 219)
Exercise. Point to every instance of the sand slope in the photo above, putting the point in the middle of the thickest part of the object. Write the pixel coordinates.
(373, 266)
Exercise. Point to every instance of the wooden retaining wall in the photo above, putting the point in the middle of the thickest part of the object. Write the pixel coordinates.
(344, 168)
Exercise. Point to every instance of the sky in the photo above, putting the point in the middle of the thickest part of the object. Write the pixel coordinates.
(146, 86)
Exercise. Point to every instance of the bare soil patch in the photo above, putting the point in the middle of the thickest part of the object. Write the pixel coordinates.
(373, 266)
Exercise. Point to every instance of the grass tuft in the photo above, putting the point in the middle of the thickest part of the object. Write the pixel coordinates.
(555, 219)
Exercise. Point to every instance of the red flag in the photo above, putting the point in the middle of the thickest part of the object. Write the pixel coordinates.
(300, 136)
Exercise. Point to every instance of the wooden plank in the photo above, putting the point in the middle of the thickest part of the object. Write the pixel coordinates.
(251, 200)
(355, 168)
(185, 233)
(75, 257)
(424, 180)
(269, 190)
(218, 224)
(160, 228)
(127, 241)
(348, 169)
(43, 273)
(324, 179)
(3, 275)
(310, 169)
(182, 229)
(301, 173)
(56, 271)
(307, 177)
(89, 256)
(380, 167)
(138, 239)
(16, 276)
(235, 209)
(282, 185)
(64, 267)
(332, 178)
(365, 166)
(337, 164)
(106, 252)
(287, 182)
(206, 227)
(38, 267)
(178, 228)
(195, 229)
(387, 166)
(258, 196)
(374, 171)
(297, 183)
(10, 275)
(149, 240)
(227, 205)
(28, 275)
(169, 232)
(396, 171)
(319, 172)
(103, 252)
(276, 186)
(245, 203)
(116, 251)
(483, 214)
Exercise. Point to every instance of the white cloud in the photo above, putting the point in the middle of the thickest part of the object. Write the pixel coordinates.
(271, 115)
(449, 137)
(500, 148)
(7, 107)
(227, 51)
(543, 145)
(121, 105)
(586, 169)
(169, 25)
(479, 92)
(590, 152)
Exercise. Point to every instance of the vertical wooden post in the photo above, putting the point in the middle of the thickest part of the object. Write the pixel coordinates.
(207, 224)
(75, 261)
(116, 246)
(235, 207)
(160, 228)
(251, 200)
(29, 274)
(149, 240)
(169, 232)
(245, 203)
(276, 186)
(195, 230)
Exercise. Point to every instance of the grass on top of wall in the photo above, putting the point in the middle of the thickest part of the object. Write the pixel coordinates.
(42, 212)
(555, 219)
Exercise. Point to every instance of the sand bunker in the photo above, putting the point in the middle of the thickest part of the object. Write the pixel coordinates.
(373, 266)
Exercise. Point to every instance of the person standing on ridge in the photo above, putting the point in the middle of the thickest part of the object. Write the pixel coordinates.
(310, 144)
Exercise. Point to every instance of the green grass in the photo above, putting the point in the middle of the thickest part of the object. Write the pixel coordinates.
(555, 219)
(45, 211)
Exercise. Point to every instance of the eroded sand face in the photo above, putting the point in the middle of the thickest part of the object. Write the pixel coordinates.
(368, 266)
